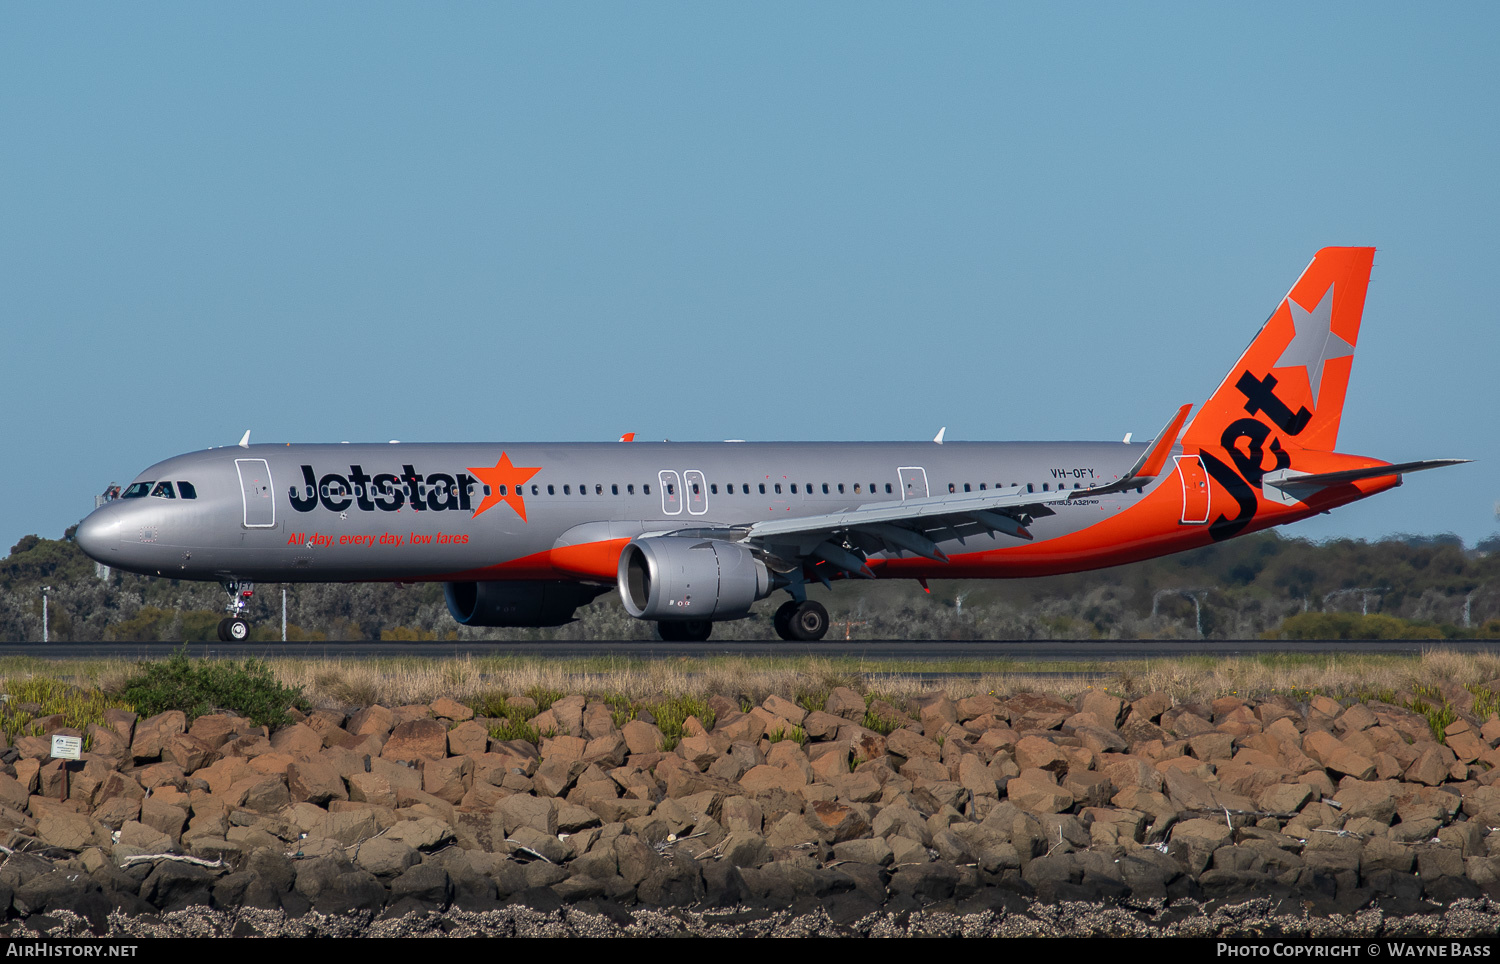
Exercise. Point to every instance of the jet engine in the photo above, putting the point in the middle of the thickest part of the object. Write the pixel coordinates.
(681, 578)
(517, 603)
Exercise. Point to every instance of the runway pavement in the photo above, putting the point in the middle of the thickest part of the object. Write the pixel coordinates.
(945, 650)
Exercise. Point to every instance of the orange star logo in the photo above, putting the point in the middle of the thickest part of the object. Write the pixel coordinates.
(507, 478)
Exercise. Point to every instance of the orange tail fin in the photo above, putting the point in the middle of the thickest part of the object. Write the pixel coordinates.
(1289, 385)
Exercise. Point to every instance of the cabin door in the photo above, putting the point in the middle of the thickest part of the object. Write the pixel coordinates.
(255, 489)
(671, 492)
(1194, 490)
(913, 482)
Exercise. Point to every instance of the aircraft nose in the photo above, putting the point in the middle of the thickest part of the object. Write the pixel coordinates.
(97, 536)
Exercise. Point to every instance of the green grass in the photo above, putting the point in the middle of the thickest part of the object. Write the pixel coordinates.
(670, 713)
(1428, 702)
(796, 734)
(544, 697)
(884, 725)
(79, 707)
(493, 703)
(516, 729)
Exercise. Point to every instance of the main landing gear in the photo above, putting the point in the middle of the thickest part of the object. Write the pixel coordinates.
(235, 628)
(805, 621)
(685, 631)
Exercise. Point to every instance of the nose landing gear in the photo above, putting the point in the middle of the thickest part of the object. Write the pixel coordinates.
(235, 628)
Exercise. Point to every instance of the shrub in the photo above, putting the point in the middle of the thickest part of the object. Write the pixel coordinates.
(198, 687)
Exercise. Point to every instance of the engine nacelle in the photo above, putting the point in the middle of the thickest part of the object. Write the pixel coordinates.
(516, 603)
(678, 578)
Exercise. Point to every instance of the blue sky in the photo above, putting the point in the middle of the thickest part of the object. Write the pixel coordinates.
(701, 221)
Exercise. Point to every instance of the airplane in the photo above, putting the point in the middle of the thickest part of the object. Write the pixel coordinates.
(690, 534)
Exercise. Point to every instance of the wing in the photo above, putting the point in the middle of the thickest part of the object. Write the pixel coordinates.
(1149, 465)
(843, 538)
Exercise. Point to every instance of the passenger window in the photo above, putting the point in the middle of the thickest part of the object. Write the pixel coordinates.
(186, 490)
(762, 488)
(778, 488)
(671, 489)
(887, 488)
(598, 489)
(500, 487)
(966, 487)
(646, 489)
(981, 487)
(746, 487)
(164, 490)
(486, 491)
(139, 489)
(841, 488)
(695, 488)
(630, 488)
(534, 490)
(825, 488)
(567, 489)
(1044, 486)
(551, 490)
(1030, 487)
(951, 487)
(713, 488)
(794, 488)
(856, 488)
(614, 489)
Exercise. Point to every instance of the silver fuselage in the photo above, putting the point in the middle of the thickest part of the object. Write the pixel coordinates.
(364, 518)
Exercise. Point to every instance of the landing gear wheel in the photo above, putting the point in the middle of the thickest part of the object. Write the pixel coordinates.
(224, 630)
(236, 630)
(783, 619)
(809, 622)
(669, 632)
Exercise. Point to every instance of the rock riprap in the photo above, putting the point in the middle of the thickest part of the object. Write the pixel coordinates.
(983, 799)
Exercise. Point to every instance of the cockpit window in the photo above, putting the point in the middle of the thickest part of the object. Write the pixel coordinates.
(137, 490)
(164, 490)
(186, 490)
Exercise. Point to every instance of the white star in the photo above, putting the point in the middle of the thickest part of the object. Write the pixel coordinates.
(1315, 344)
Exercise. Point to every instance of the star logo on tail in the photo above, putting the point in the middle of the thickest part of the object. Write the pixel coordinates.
(1315, 344)
(505, 478)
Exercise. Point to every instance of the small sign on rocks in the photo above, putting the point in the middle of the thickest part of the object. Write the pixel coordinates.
(67, 747)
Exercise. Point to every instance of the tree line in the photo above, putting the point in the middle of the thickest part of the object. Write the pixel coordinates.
(1400, 587)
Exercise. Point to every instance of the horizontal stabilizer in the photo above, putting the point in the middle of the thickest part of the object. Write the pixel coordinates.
(1284, 479)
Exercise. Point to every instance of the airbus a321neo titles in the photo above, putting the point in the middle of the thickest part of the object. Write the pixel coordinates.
(693, 533)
